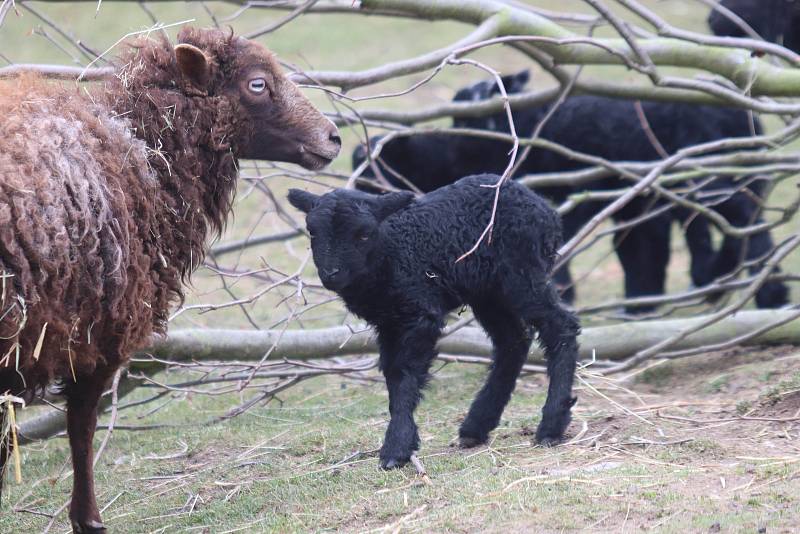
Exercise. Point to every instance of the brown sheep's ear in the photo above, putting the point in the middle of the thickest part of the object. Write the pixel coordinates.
(302, 200)
(193, 64)
(391, 203)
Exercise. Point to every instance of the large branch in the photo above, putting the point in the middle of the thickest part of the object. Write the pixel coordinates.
(760, 77)
(347, 80)
(58, 72)
(517, 26)
(605, 342)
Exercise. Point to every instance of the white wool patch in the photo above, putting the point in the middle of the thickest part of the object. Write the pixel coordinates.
(70, 187)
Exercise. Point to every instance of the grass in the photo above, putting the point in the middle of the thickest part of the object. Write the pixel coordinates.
(307, 463)
(304, 462)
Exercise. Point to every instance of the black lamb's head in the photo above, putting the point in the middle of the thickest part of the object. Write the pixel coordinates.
(344, 228)
(484, 90)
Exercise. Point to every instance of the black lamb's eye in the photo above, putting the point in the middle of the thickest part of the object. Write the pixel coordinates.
(257, 85)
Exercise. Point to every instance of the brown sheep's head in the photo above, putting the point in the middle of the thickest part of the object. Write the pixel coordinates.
(277, 122)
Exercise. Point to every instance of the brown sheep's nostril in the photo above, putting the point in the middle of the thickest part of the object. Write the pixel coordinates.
(334, 136)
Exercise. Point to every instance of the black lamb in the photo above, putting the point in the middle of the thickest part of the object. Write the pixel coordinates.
(392, 259)
(611, 129)
(777, 21)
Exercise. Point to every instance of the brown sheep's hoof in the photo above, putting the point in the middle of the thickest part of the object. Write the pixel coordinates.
(88, 527)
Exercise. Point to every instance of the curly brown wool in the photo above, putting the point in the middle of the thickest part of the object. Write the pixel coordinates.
(108, 194)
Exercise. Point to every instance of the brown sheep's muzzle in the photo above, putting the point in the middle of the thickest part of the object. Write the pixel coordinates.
(311, 152)
(291, 129)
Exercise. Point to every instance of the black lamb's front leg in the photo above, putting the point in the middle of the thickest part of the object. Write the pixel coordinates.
(558, 331)
(405, 360)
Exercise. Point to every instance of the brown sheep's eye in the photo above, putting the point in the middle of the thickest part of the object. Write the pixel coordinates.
(257, 85)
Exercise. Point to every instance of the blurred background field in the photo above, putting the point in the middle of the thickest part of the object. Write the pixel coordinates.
(305, 462)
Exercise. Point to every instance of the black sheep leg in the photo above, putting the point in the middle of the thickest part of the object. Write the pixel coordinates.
(558, 330)
(82, 400)
(405, 360)
(511, 340)
(564, 283)
(643, 252)
(572, 222)
(701, 250)
(741, 211)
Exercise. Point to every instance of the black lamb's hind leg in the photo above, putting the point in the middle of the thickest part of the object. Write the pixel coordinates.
(558, 331)
(741, 211)
(405, 360)
(511, 340)
(572, 222)
(564, 284)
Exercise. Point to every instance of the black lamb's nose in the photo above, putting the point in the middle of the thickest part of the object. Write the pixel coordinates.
(330, 273)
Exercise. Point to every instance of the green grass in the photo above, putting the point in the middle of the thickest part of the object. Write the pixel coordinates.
(276, 468)
(295, 466)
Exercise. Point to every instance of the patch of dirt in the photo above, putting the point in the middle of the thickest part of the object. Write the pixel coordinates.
(784, 405)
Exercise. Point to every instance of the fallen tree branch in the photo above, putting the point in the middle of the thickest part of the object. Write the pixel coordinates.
(615, 342)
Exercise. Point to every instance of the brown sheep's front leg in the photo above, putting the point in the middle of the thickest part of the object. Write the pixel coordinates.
(82, 400)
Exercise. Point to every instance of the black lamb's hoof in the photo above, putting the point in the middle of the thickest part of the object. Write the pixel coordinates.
(554, 423)
(88, 527)
(468, 442)
(549, 441)
(393, 463)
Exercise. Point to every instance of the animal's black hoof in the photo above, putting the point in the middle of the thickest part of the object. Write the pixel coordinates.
(88, 527)
(772, 295)
(468, 442)
(548, 441)
(393, 463)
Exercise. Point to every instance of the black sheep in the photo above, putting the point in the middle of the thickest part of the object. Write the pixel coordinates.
(392, 259)
(611, 129)
(776, 21)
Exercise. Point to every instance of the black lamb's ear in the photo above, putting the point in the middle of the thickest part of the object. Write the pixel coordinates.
(391, 203)
(302, 200)
(193, 64)
(514, 83)
(521, 79)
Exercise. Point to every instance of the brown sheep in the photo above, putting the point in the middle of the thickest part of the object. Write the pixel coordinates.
(108, 194)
